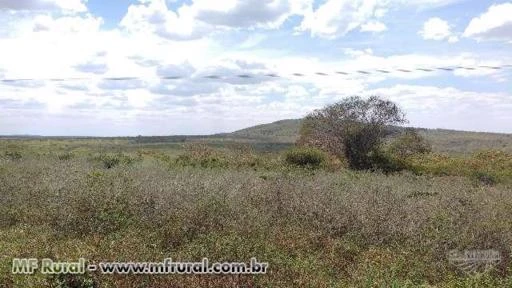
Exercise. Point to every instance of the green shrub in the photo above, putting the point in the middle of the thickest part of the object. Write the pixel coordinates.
(408, 144)
(206, 161)
(386, 162)
(13, 155)
(484, 178)
(72, 281)
(305, 157)
(438, 164)
(486, 167)
(201, 155)
(397, 155)
(65, 156)
(112, 160)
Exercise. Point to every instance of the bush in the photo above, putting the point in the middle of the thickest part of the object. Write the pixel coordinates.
(234, 156)
(305, 157)
(65, 156)
(200, 155)
(112, 160)
(484, 178)
(13, 155)
(408, 144)
(72, 281)
(386, 162)
(210, 161)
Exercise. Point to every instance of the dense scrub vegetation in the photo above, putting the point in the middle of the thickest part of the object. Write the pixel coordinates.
(327, 227)
(305, 157)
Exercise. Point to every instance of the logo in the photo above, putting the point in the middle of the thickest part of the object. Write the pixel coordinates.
(474, 261)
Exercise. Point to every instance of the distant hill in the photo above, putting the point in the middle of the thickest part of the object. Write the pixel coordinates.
(283, 131)
(442, 140)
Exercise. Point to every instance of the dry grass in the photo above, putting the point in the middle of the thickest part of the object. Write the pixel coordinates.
(315, 228)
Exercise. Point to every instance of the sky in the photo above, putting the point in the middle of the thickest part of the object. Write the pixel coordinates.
(150, 39)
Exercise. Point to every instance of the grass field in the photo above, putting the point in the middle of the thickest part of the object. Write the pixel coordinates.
(139, 200)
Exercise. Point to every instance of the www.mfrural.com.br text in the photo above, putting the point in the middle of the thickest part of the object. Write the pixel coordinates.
(167, 266)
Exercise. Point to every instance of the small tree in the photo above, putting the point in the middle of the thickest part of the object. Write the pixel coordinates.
(353, 128)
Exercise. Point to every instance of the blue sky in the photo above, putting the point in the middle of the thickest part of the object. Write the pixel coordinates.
(148, 39)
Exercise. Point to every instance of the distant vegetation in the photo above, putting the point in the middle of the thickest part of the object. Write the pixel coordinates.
(281, 135)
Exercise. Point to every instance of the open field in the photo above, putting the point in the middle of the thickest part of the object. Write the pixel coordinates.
(132, 200)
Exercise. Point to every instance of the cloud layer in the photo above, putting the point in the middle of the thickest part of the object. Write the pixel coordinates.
(195, 39)
(494, 24)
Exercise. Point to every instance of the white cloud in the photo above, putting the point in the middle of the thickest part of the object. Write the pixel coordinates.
(202, 17)
(336, 18)
(435, 107)
(65, 5)
(155, 17)
(46, 46)
(67, 24)
(92, 67)
(374, 26)
(494, 24)
(331, 19)
(453, 39)
(437, 29)
(248, 13)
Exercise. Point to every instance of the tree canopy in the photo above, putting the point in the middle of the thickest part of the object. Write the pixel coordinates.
(353, 128)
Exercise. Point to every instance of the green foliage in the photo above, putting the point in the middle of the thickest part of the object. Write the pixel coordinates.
(110, 161)
(386, 162)
(13, 155)
(72, 281)
(65, 156)
(200, 155)
(352, 128)
(359, 145)
(305, 157)
(210, 161)
(484, 178)
(485, 167)
(100, 209)
(408, 144)
(394, 157)
(233, 156)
